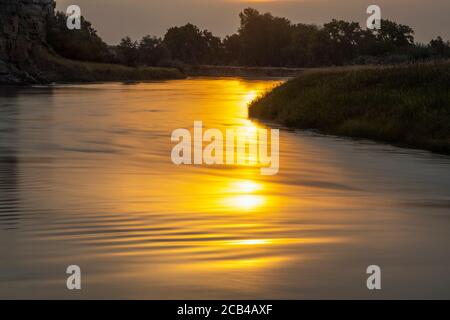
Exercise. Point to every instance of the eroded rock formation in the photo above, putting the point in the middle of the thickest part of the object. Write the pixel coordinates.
(23, 25)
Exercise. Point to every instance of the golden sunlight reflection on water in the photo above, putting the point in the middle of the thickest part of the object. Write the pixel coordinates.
(92, 183)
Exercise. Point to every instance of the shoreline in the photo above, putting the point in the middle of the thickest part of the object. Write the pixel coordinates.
(53, 69)
(405, 105)
(243, 71)
(47, 68)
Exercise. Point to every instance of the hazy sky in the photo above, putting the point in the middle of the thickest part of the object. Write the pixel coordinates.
(115, 19)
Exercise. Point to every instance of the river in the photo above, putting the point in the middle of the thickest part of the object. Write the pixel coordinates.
(86, 179)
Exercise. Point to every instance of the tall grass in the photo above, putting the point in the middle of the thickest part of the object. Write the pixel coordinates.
(407, 105)
(58, 69)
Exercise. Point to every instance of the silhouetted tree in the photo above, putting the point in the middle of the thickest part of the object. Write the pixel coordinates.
(344, 39)
(232, 47)
(128, 52)
(152, 51)
(261, 40)
(392, 36)
(83, 44)
(299, 51)
(439, 48)
(186, 43)
(214, 53)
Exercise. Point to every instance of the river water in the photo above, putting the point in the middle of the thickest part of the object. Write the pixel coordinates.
(86, 179)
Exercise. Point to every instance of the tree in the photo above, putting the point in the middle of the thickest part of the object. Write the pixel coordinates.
(344, 38)
(128, 52)
(186, 43)
(232, 46)
(394, 35)
(152, 51)
(439, 48)
(214, 49)
(263, 38)
(83, 44)
(303, 39)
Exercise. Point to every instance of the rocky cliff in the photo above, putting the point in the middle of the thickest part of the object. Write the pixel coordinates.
(23, 25)
(26, 57)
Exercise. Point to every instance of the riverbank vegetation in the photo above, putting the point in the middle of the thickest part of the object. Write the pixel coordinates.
(65, 70)
(82, 56)
(407, 105)
(262, 40)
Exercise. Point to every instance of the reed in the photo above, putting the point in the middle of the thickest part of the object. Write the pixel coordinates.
(407, 105)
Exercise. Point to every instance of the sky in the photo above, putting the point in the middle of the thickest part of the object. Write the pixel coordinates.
(115, 19)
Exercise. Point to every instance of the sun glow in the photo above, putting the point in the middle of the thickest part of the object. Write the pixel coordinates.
(251, 242)
(245, 195)
(245, 202)
(249, 97)
(246, 186)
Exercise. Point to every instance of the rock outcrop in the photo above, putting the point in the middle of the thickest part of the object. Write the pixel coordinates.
(23, 25)
(26, 58)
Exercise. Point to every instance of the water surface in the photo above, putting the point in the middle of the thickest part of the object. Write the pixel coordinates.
(86, 178)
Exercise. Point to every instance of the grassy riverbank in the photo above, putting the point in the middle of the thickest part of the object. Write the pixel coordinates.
(236, 71)
(406, 105)
(58, 69)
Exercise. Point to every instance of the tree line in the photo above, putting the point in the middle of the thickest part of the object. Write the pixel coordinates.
(261, 40)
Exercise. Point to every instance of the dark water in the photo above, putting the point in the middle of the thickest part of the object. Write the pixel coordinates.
(86, 178)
